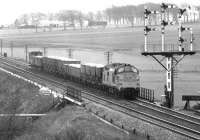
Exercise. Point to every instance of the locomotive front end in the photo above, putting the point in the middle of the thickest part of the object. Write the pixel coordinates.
(122, 77)
(128, 80)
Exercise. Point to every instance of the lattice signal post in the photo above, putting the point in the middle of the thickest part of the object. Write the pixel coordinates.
(172, 54)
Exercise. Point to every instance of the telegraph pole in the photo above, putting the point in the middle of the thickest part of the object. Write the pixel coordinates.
(26, 52)
(108, 55)
(70, 53)
(44, 51)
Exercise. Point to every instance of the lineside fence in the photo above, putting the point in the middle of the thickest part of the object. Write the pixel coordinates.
(74, 93)
(146, 94)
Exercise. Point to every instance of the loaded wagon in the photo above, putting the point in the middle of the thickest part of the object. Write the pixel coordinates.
(61, 61)
(55, 64)
(32, 54)
(73, 71)
(37, 62)
(92, 72)
(49, 65)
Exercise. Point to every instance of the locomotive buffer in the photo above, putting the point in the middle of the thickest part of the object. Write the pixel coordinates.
(172, 53)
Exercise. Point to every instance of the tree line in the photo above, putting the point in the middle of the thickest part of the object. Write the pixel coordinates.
(129, 14)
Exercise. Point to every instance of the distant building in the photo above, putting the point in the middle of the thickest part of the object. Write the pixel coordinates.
(47, 23)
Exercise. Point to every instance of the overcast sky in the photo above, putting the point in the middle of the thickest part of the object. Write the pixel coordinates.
(12, 9)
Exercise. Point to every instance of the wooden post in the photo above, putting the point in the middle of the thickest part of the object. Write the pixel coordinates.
(26, 52)
(1, 47)
(45, 51)
(11, 47)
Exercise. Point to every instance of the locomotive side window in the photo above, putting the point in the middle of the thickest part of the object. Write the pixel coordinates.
(113, 78)
(107, 76)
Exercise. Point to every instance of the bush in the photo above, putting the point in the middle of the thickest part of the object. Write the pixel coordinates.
(196, 107)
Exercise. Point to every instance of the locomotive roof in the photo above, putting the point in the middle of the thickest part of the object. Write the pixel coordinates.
(62, 58)
(74, 65)
(94, 65)
(39, 56)
(117, 65)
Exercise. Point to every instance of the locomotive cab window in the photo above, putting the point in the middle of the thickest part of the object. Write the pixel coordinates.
(130, 69)
(120, 70)
(127, 69)
(134, 70)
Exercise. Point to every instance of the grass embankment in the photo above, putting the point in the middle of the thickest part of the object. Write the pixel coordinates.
(17, 96)
(71, 122)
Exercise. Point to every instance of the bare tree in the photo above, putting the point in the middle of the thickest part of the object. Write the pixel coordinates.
(24, 19)
(99, 16)
(17, 23)
(63, 16)
(80, 19)
(50, 18)
(36, 18)
(91, 16)
(68, 16)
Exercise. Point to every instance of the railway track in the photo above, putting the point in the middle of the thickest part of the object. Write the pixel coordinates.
(171, 120)
(169, 111)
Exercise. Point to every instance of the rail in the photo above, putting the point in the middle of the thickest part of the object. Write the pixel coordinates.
(22, 115)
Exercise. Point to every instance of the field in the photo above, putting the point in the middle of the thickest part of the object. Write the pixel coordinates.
(125, 43)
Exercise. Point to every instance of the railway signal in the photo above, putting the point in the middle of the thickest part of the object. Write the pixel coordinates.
(165, 6)
(181, 29)
(147, 29)
(181, 12)
(172, 56)
(181, 39)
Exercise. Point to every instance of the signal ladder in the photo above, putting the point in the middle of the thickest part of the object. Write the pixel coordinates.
(175, 69)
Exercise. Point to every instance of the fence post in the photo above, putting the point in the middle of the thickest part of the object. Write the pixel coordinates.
(26, 51)
(1, 47)
(11, 47)
(153, 95)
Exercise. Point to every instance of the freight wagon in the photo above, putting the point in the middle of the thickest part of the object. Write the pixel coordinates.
(91, 72)
(33, 54)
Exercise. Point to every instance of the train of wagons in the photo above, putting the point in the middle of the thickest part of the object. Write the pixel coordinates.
(119, 79)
